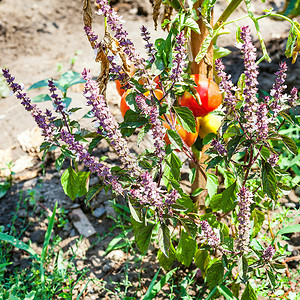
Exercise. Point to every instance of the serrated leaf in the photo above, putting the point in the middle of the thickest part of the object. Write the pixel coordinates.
(143, 237)
(186, 249)
(186, 202)
(186, 118)
(290, 144)
(225, 201)
(189, 226)
(175, 165)
(164, 241)
(232, 147)
(214, 274)
(75, 184)
(175, 139)
(249, 293)
(212, 184)
(202, 259)
(166, 261)
(269, 181)
(258, 219)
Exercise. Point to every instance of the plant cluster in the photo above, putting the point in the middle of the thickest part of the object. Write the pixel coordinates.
(221, 240)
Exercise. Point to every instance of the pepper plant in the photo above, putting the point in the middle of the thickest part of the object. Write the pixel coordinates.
(220, 240)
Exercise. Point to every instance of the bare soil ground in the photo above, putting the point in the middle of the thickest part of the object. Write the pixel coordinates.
(36, 36)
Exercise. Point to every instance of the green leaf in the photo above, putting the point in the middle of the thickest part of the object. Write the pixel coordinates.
(243, 268)
(292, 38)
(212, 184)
(225, 292)
(186, 248)
(249, 293)
(197, 192)
(191, 23)
(94, 143)
(39, 84)
(41, 98)
(187, 202)
(232, 147)
(220, 52)
(289, 229)
(70, 78)
(272, 278)
(289, 143)
(133, 119)
(258, 218)
(190, 226)
(186, 118)
(4, 187)
(59, 162)
(166, 261)
(82, 183)
(202, 259)
(74, 184)
(225, 201)
(135, 211)
(18, 244)
(269, 181)
(143, 238)
(164, 239)
(175, 165)
(93, 191)
(175, 139)
(215, 273)
(153, 288)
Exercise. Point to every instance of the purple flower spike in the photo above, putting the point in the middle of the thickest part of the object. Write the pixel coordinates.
(149, 46)
(42, 120)
(268, 253)
(218, 147)
(178, 63)
(108, 125)
(245, 199)
(208, 234)
(226, 86)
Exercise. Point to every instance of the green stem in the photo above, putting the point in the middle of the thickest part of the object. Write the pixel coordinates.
(232, 6)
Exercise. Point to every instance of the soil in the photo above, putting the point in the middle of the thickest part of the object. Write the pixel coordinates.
(37, 36)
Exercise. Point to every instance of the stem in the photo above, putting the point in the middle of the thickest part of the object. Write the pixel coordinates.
(227, 12)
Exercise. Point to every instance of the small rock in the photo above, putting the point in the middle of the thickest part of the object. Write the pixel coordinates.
(101, 253)
(99, 212)
(110, 211)
(106, 268)
(38, 236)
(116, 255)
(96, 261)
(290, 248)
(293, 197)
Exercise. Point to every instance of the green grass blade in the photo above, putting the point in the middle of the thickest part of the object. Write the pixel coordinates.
(18, 244)
(46, 244)
(155, 288)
